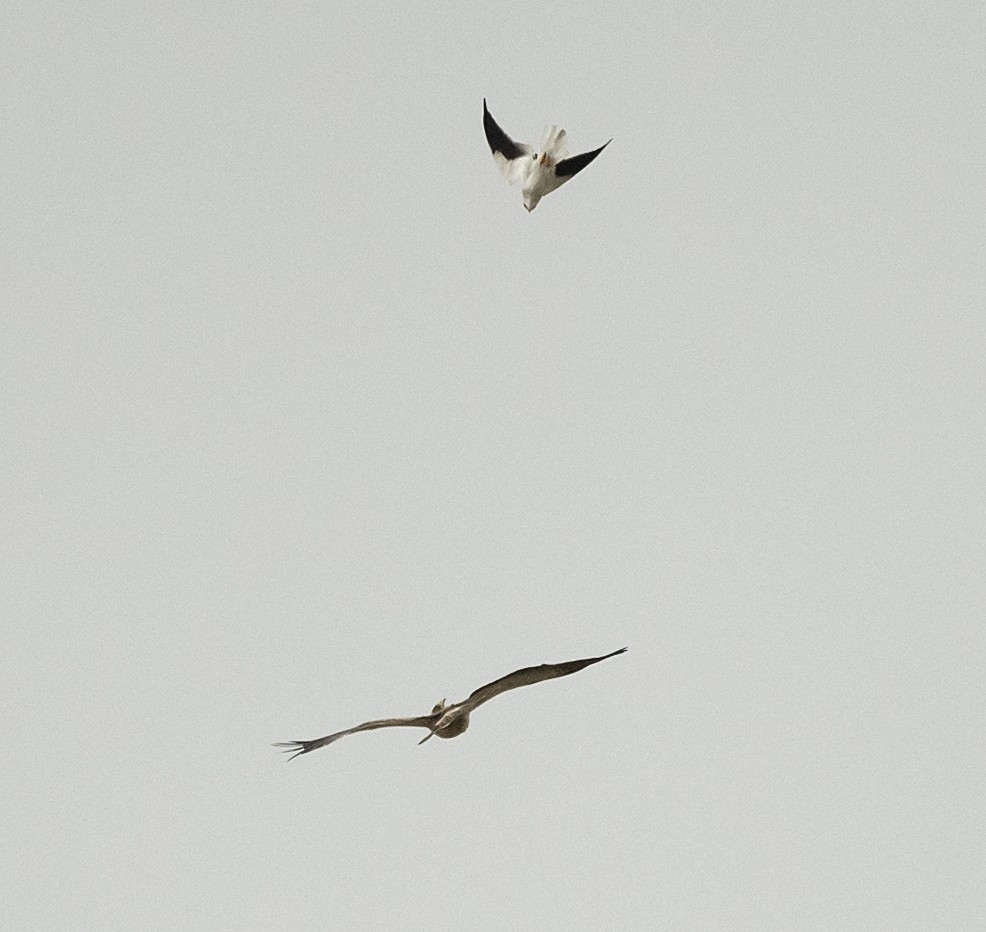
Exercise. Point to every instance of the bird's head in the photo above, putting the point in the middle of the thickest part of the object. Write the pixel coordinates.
(531, 200)
(440, 707)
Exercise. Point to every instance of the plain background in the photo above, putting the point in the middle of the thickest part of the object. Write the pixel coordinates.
(306, 421)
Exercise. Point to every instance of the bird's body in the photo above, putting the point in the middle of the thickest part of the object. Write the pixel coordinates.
(449, 721)
(542, 171)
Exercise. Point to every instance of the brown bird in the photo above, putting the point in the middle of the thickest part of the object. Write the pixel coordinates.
(448, 721)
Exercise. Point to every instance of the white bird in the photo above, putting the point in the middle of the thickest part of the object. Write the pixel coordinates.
(542, 171)
(449, 721)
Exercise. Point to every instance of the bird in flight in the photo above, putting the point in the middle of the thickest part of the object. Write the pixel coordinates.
(542, 171)
(449, 721)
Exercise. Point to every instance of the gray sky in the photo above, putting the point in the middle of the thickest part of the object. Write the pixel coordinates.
(306, 421)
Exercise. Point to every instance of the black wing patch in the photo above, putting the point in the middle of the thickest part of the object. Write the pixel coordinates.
(568, 167)
(499, 141)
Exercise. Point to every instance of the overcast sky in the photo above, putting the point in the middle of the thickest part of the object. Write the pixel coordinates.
(307, 421)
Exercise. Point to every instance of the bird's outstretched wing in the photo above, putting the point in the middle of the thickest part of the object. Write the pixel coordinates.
(529, 675)
(566, 168)
(507, 154)
(295, 748)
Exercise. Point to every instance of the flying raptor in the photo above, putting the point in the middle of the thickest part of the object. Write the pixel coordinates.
(448, 721)
(542, 171)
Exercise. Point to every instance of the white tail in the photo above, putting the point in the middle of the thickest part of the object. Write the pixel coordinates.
(553, 143)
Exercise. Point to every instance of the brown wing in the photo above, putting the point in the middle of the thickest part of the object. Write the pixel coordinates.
(529, 675)
(295, 748)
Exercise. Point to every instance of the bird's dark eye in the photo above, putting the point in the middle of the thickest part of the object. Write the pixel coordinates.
(535, 156)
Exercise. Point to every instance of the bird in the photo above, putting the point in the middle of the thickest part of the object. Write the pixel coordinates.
(449, 721)
(542, 171)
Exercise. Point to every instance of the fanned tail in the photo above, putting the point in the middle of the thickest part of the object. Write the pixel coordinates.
(554, 143)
